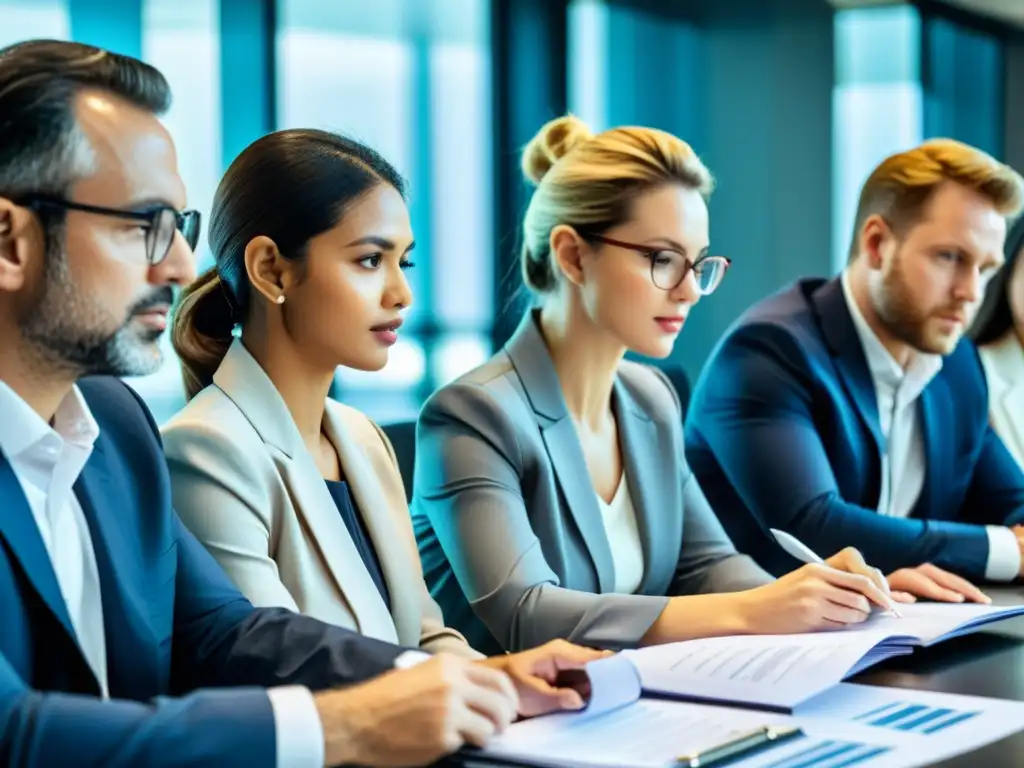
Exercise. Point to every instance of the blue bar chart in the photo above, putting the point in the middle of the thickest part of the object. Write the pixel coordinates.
(831, 754)
(914, 718)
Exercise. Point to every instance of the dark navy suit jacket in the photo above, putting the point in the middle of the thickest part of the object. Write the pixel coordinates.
(783, 432)
(173, 621)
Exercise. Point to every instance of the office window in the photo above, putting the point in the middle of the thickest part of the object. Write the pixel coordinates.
(411, 79)
(620, 59)
(963, 87)
(29, 19)
(456, 353)
(181, 39)
(877, 103)
(588, 62)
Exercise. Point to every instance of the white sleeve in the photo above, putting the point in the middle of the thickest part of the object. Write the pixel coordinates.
(1003, 554)
(297, 727)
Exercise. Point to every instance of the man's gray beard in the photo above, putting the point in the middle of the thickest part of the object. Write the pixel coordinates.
(66, 329)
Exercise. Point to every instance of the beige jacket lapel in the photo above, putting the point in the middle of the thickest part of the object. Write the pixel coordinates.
(1004, 367)
(243, 380)
(365, 462)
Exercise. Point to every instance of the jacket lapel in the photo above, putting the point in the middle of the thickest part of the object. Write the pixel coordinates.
(850, 361)
(532, 362)
(1012, 406)
(933, 405)
(242, 379)
(18, 528)
(646, 471)
(1005, 366)
(376, 506)
(133, 663)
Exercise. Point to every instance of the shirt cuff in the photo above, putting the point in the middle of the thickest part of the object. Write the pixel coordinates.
(297, 726)
(410, 659)
(1003, 554)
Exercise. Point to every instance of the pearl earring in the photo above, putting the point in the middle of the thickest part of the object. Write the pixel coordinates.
(279, 300)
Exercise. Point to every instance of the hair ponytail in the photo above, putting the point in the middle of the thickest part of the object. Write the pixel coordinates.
(202, 331)
(995, 315)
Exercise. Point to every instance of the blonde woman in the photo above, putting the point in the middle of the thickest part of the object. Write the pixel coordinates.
(552, 497)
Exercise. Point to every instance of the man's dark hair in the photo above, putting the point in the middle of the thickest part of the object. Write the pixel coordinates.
(41, 149)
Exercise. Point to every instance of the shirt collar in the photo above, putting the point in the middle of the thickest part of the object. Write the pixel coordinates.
(23, 427)
(885, 371)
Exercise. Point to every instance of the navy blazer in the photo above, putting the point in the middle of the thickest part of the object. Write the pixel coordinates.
(783, 432)
(173, 622)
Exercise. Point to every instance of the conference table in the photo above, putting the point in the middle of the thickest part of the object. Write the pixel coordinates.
(987, 663)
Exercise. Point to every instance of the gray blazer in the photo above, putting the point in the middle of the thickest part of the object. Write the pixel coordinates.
(244, 483)
(504, 503)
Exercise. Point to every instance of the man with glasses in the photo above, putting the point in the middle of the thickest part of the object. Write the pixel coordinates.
(849, 412)
(109, 606)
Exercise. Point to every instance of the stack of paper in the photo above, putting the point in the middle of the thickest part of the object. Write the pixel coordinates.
(799, 677)
(767, 671)
(926, 624)
(852, 726)
(781, 671)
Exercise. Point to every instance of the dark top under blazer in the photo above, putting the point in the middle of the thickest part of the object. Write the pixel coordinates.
(784, 432)
(174, 623)
(508, 521)
(342, 495)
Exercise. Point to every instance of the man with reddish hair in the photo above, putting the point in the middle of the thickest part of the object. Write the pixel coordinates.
(850, 412)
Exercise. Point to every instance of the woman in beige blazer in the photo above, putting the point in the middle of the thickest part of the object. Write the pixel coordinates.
(298, 496)
(999, 334)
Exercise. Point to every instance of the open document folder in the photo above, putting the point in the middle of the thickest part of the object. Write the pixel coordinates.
(782, 671)
(926, 624)
(764, 671)
(851, 726)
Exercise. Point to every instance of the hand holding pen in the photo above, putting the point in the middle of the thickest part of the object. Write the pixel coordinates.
(849, 560)
(905, 585)
(818, 596)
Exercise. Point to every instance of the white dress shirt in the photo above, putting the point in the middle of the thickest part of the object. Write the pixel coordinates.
(47, 460)
(904, 462)
(620, 525)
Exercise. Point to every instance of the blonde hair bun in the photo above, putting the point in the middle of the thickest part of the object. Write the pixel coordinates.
(554, 141)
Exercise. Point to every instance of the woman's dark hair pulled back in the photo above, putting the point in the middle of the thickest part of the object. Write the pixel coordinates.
(289, 186)
(995, 316)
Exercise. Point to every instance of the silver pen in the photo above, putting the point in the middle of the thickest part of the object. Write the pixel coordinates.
(805, 554)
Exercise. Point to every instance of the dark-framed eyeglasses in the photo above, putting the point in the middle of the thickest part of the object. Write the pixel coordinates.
(161, 221)
(670, 267)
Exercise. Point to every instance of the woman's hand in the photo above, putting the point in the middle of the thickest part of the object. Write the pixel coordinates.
(538, 678)
(816, 597)
(852, 561)
(933, 583)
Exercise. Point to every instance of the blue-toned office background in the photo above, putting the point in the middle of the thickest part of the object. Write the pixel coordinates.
(790, 103)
